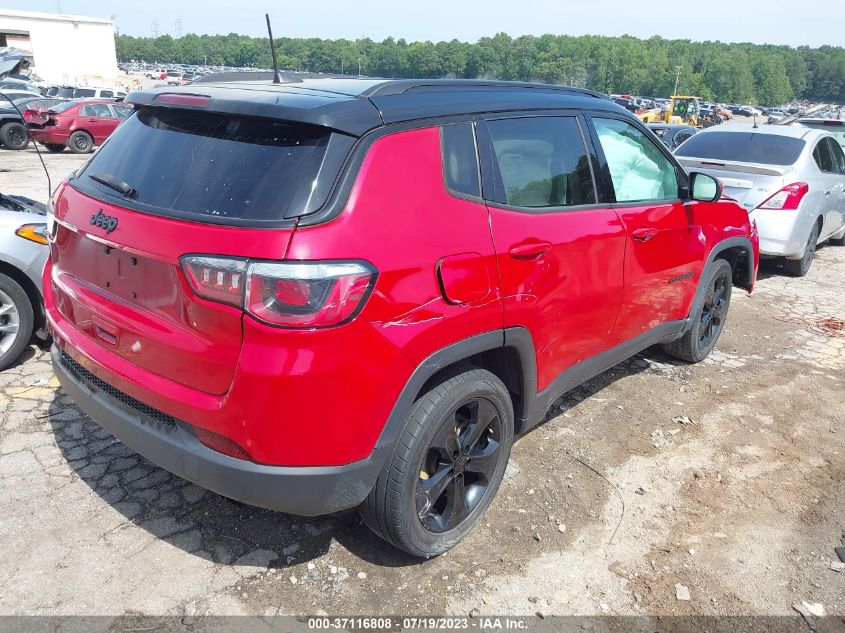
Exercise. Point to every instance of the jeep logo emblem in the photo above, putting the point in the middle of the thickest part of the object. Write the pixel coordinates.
(106, 222)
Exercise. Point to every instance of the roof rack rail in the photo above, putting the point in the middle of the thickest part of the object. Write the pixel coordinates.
(401, 86)
(246, 75)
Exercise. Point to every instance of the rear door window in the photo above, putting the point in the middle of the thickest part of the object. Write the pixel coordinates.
(460, 159)
(215, 167)
(822, 156)
(638, 168)
(542, 162)
(836, 155)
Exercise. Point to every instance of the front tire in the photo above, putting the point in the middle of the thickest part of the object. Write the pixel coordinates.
(800, 267)
(13, 136)
(707, 323)
(80, 143)
(447, 465)
(16, 321)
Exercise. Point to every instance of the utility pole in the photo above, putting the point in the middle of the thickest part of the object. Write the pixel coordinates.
(359, 66)
(677, 78)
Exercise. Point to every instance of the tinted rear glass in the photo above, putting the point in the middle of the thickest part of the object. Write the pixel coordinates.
(764, 149)
(84, 92)
(211, 167)
(62, 106)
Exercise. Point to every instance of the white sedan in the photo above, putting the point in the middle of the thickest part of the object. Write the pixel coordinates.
(790, 179)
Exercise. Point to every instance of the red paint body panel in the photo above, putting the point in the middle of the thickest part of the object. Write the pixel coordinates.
(136, 284)
(663, 266)
(464, 278)
(568, 294)
(389, 204)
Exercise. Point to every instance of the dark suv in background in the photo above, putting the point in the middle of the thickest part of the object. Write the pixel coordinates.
(330, 293)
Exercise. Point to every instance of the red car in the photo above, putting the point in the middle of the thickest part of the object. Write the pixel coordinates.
(78, 125)
(334, 293)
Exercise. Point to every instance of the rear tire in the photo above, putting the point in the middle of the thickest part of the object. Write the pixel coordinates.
(16, 320)
(446, 467)
(707, 323)
(13, 136)
(800, 267)
(80, 143)
(54, 147)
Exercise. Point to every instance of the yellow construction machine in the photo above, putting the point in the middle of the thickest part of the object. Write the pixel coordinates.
(682, 110)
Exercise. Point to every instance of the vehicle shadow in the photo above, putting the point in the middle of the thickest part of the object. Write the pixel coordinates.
(196, 520)
(226, 532)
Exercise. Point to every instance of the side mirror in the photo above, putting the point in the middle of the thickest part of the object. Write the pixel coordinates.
(705, 188)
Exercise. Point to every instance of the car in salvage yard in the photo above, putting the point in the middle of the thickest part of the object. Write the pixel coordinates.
(790, 179)
(202, 308)
(672, 135)
(78, 125)
(13, 133)
(23, 253)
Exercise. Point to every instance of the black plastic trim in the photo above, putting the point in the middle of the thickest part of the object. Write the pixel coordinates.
(449, 355)
(537, 403)
(308, 491)
(720, 247)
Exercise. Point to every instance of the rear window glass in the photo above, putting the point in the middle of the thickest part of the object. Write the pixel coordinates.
(61, 107)
(741, 147)
(84, 92)
(212, 167)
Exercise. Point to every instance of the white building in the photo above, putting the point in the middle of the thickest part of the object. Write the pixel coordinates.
(66, 49)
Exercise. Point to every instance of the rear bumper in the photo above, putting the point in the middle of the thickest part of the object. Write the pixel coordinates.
(308, 491)
(782, 233)
(48, 135)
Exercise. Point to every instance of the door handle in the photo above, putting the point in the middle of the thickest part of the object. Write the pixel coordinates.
(643, 235)
(530, 249)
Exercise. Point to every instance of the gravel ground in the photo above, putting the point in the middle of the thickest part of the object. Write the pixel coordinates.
(610, 508)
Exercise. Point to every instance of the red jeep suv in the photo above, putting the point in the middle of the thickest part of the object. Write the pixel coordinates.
(329, 293)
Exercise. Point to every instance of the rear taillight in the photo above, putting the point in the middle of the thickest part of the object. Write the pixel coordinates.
(216, 278)
(285, 294)
(788, 198)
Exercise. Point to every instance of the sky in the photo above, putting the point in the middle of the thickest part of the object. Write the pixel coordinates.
(770, 22)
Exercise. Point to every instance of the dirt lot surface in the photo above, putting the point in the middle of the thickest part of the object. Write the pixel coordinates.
(740, 503)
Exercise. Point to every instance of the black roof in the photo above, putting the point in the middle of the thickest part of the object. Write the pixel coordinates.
(354, 105)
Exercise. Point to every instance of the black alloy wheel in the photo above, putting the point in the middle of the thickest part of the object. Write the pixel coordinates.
(713, 312)
(458, 466)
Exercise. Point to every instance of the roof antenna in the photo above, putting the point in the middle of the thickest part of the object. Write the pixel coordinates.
(276, 78)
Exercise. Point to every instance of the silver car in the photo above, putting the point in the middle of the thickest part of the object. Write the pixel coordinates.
(791, 179)
(23, 253)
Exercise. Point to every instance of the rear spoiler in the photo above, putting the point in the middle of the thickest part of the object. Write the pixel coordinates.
(726, 165)
(352, 116)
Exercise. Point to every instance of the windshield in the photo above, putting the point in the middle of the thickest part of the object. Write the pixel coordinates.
(834, 128)
(209, 166)
(741, 147)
